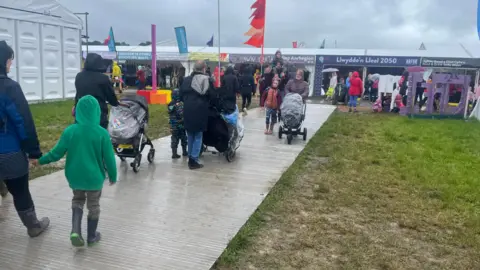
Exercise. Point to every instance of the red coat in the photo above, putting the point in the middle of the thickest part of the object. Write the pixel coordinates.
(356, 85)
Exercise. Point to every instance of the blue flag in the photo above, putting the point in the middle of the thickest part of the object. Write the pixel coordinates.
(110, 41)
(181, 34)
(210, 42)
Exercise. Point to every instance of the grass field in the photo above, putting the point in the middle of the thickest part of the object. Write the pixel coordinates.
(371, 192)
(52, 118)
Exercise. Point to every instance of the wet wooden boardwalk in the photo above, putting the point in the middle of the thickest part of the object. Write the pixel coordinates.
(164, 217)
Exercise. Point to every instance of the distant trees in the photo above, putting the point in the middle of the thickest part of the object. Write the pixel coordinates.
(146, 43)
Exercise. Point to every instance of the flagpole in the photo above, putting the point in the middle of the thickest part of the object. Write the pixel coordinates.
(263, 34)
(219, 63)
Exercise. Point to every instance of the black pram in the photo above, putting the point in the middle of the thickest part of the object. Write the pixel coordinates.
(225, 128)
(127, 126)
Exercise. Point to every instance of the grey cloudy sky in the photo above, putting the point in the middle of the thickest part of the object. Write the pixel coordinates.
(374, 24)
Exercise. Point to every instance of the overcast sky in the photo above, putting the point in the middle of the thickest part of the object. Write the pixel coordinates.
(373, 24)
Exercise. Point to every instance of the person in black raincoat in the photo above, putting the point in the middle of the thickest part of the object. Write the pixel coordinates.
(92, 81)
(195, 94)
(19, 143)
(230, 89)
(247, 88)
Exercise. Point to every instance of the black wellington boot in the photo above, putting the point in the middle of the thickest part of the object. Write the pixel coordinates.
(175, 155)
(76, 234)
(93, 236)
(34, 226)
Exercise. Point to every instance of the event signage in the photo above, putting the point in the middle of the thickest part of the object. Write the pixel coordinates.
(368, 61)
(181, 35)
(134, 56)
(437, 62)
(255, 58)
(196, 56)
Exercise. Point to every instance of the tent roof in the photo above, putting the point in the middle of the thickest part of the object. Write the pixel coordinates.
(41, 11)
(456, 51)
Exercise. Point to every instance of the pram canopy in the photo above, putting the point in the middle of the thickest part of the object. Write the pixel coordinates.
(125, 122)
(292, 110)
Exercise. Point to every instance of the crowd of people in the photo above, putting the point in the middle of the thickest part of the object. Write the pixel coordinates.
(87, 140)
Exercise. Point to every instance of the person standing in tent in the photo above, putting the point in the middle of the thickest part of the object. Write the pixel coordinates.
(356, 89)
(19, 145)
(347, 82)
(141, 78)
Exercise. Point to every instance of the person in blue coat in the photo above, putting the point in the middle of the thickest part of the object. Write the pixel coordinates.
(18, 145)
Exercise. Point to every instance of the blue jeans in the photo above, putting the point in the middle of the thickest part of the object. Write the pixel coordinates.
(353, 101)
(195, 144)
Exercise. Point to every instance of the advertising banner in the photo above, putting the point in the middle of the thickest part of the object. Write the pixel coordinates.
(134, 56)
(181, 35)
(368, 61)
(437, 62)
(255, 58)
(213, 57)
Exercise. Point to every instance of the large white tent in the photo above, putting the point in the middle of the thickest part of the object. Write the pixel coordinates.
(46, 38)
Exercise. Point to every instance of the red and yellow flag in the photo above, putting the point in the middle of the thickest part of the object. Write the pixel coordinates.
(256, 31)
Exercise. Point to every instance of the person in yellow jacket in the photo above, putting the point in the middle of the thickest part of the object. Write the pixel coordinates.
(116, 70)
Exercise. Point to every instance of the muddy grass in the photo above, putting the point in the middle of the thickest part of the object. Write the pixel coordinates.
(371, 192)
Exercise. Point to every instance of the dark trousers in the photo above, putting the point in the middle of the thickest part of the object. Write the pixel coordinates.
(373, 94)
(92, 197)
(178, 135)
(246, 100)
(18, 187)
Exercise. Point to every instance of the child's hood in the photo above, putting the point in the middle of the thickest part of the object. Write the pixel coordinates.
(87, 111)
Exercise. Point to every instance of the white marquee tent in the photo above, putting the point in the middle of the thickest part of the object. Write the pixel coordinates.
(47, 43)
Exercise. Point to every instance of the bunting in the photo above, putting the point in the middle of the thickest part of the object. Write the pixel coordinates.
(256, 31)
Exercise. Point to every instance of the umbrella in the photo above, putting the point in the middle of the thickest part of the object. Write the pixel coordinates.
(329, 70)
(374, 77)
(415, 69)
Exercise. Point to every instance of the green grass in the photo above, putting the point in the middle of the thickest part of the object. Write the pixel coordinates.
(371, 191)
(52, 118)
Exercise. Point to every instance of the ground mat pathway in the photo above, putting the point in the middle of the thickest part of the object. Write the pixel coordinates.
(165, 216)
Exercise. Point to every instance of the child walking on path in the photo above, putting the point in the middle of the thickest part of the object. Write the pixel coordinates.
(175, 113)
(89, 150)
(272, 100)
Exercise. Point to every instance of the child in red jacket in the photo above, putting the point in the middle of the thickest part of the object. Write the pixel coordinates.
(272, 100)
(356, 90)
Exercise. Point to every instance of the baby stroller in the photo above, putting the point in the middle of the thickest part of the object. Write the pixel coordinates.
(293, 113)
(224, 132)
(127, 126)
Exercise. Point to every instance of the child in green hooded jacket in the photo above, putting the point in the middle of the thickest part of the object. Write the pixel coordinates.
(89, 151)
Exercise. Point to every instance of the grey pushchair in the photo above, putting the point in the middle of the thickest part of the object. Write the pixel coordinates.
(293, 114)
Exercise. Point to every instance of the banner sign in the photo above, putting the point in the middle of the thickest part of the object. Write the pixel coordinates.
(181, 35)
(103, 54)
(196, 56)
(255, 58)
(134, 56)
(436, 62)
(368, 61)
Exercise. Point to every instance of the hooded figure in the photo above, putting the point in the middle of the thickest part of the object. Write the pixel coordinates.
(356, 85)
(18, 143)
(195, 94)
(229, 91)
(298, 85)
(116, 70)
(92, 81)
(90, 152)
(277, 59)
(175, 116)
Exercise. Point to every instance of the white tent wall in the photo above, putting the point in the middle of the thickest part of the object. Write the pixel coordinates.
(47, 44)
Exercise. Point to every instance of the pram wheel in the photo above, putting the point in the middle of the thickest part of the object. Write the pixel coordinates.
(151, 155)
(289, 138)
(230, 155)
(304, 134)
(280, 132)
(136, 163)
